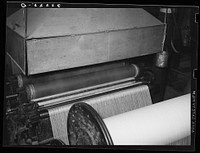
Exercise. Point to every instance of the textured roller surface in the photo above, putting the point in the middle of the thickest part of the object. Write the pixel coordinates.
(42, 89)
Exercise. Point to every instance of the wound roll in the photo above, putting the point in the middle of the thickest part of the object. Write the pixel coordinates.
(106, 105)
(158, 124)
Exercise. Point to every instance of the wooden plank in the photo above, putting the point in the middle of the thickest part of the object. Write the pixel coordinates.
(52, 54)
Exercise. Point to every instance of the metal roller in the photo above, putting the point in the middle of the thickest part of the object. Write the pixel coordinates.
(77, 96)
(43, 89)
(23, 80)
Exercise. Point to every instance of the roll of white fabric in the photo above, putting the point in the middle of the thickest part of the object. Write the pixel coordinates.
(106, 105)
(157, 124)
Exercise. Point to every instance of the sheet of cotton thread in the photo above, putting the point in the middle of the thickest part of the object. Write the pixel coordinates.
(106, 105)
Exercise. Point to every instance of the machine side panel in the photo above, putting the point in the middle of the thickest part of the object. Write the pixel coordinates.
(51, 54)
(60, 53)
(135, 42)
(15, 49)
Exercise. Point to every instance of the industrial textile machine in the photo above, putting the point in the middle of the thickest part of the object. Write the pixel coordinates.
(59, 56)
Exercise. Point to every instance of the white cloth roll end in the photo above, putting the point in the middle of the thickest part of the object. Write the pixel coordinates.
(157, 124)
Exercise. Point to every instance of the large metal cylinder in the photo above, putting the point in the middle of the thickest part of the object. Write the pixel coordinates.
(43, 89)
(23, 80)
